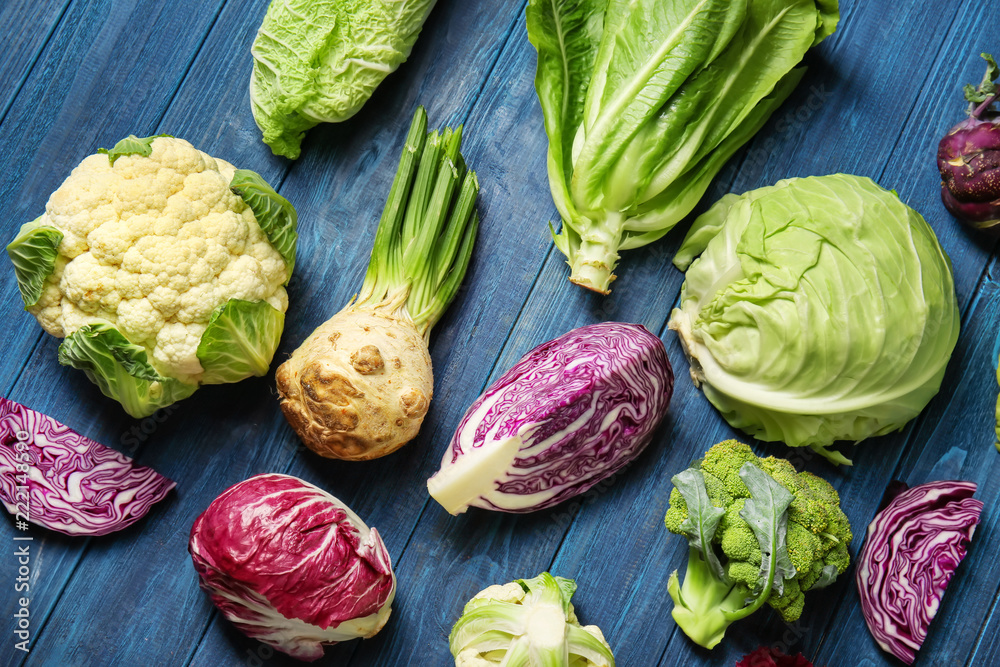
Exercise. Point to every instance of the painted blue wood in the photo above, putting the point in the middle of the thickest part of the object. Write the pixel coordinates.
(877, 96)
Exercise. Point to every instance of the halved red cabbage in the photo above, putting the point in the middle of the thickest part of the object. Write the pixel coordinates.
(66, 482)
(570, 413)
(292, 566)
(912, 550)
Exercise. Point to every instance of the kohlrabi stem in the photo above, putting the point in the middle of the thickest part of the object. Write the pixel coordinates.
(424, 240)
(984, 106)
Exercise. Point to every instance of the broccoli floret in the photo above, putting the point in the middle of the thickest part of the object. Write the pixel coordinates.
(761, 561)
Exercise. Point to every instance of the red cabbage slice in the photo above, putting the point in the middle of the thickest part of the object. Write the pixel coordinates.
(291, 566)
(570, 413)
(66, 482)
(912, 550)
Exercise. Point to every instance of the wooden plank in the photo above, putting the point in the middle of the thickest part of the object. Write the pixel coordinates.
(62, 114)
(204, 460)
(64, 104)
(35, 24)
(553, 309)
(209, 442)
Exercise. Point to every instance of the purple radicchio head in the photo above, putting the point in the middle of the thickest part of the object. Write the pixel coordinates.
(56, 478)
(292, 566)
(910, 554)
(570, 413)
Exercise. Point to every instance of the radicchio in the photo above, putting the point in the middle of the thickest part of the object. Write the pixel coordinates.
(766, 656)
(56, 478)
(571, 412)
(912, 550)
(292, 566)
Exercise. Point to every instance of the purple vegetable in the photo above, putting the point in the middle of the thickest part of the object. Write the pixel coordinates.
(292, 566)
(56, 478)
(912, 550)
(570, 413)
(969, 157)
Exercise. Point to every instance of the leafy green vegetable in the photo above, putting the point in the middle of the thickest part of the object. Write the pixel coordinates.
(644, 102)
(776, 532)
(240, 340)
(527, 622)
(275, 214)
(318, 61)
(33, 252)
(131, 145)
(121, 369)
(819, 309)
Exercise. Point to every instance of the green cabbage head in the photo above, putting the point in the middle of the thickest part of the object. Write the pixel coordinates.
(815, 310)
(318, 61)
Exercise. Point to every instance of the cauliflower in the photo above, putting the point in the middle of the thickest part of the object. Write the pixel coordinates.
(763, 558)
(163, 267)
(537, 617)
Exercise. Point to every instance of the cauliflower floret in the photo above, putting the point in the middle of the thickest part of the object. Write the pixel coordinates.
(153, 245)
(176, 347)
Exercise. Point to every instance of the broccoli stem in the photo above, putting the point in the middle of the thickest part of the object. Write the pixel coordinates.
(705, 605)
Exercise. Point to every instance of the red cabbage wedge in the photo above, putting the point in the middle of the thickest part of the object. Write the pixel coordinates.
(292, 566)
(914, 546)
(644, 101)
(568, 414)
(54, 477)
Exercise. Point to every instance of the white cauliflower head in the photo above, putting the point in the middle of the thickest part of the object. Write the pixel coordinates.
(155, 238)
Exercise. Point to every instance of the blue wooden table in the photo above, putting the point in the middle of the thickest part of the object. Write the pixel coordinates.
(76, 75)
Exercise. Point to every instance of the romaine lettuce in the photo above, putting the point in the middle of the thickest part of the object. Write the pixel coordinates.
(644, 102)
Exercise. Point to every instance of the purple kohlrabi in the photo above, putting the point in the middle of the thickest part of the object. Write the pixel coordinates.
(969, 157)
(570, 413)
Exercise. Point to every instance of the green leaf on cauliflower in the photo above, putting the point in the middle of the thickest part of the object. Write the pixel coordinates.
(34, 252)
(275, 214)
(240, 341)
(131, 145)
(121, 369)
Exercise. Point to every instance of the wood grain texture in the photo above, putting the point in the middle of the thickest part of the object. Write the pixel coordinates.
(877, 96)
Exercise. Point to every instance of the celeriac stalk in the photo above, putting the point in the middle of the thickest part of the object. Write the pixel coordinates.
(360, 385)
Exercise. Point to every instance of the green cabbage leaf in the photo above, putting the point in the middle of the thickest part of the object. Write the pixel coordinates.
(816, 310)
(318, 61)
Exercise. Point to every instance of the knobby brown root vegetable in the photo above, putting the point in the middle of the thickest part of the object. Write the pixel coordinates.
(359, 386)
